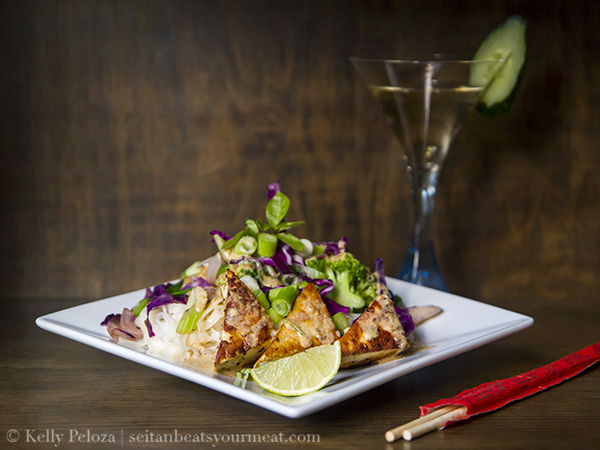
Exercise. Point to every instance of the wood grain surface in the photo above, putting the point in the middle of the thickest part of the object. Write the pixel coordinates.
(129, 130)
(52, 383)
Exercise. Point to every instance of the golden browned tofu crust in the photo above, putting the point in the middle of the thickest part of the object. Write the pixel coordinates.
(307, 325)
(375, 335)
(247, 329)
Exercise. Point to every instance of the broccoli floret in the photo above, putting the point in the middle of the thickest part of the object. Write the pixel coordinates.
(367, 288)
(348, 263)
(343, 291)
(319, 264)
(353, 285)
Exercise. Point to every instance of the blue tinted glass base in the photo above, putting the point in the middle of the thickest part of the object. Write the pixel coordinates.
(427, 273)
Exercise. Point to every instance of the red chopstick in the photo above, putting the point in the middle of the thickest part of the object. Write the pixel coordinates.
(491, 396)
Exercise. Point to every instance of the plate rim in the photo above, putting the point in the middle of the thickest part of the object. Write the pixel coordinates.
(315, 402)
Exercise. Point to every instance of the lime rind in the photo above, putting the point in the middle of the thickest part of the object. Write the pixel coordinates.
(299, 374)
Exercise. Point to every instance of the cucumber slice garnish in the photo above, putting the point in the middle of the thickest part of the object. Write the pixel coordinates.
(507, 41)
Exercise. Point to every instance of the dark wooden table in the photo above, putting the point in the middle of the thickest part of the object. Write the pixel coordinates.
(54, 385)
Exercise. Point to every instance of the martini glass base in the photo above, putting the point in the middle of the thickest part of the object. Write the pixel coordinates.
(427, 274)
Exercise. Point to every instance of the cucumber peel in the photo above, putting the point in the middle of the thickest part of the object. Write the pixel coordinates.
(506, 42)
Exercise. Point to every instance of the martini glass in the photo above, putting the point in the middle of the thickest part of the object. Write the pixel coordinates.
(426, 102)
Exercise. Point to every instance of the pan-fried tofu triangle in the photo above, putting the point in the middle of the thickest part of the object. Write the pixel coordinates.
(307, 325)
(375, 335)
(246, 328)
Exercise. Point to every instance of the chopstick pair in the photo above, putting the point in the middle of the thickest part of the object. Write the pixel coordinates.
(491, 396)
(429, 422)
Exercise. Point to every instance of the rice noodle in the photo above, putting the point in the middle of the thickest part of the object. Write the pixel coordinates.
(200, 344)
(164, 322)
(207, 335)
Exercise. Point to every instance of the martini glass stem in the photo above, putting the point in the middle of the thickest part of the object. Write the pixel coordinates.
(420, 265)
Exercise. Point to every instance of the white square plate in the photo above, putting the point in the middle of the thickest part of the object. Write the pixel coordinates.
(464, 325)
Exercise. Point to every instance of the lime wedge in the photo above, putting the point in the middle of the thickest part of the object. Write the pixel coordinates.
(506, 42)
(301, 373)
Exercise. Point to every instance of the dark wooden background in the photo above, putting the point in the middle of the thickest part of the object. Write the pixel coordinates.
(129, 130)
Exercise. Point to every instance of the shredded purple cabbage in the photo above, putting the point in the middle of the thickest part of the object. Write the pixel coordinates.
(163, 300)
(406, 320)
(268, 261)
(379, 271)
(325, 284)
(237, 261)
(149, 326)
(197, 282)
(282, 260)
(159, 297)
(285, 250)
(403, 314)
(266, 289)
(272, 189)
(220, 233)
(333, 247)
(334, 307)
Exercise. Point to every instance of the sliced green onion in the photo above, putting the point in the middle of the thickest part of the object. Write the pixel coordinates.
(245, 246)
(313, 273)
(281, 307)
(139, 306)
(275, 318)
(190, 317)
(318, 250)
(286, 293)
(188, 321)
(221, 270)
(175, 287)
(191, 301)
(243, 374)
(194, 269)
(256, 290)
(262, 299)
(267, 244)
(235, 239)
(179, 293)
(340, 321)
(220, 242)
